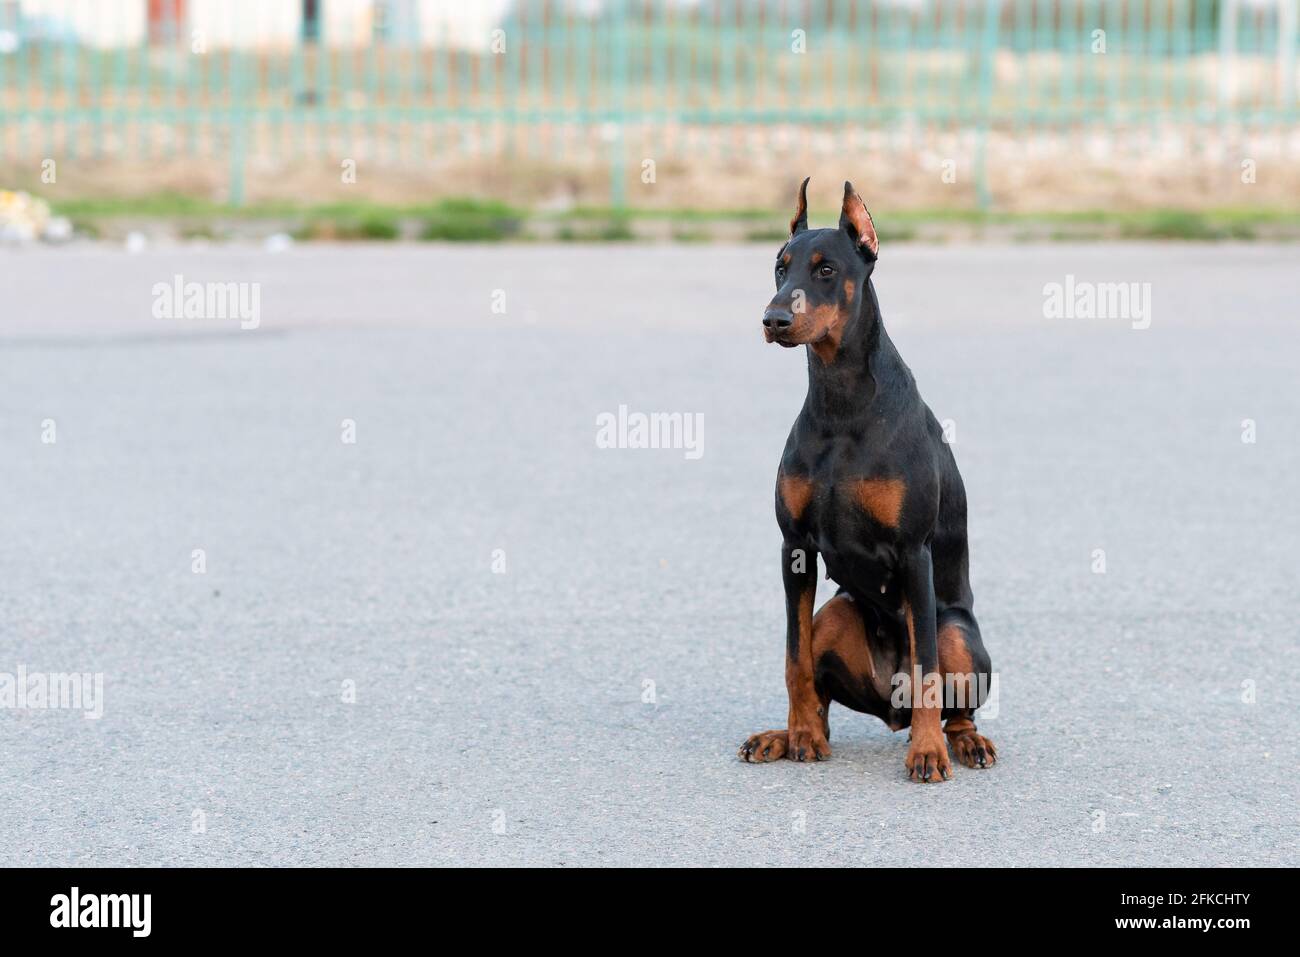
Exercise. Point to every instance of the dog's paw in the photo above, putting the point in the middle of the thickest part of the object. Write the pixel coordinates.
(927, 758)
(974, 750)
(768, 746)
(808, 746)
(796, 745)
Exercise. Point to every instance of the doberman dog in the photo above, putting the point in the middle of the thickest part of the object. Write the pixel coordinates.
(868, 482)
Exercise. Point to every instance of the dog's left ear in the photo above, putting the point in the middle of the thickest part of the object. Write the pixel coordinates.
(800, 220)
(857, 221)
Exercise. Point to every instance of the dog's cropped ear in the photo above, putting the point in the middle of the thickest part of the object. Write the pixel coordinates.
(857, 221)
(800, 221)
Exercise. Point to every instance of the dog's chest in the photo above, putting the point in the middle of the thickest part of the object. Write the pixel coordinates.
(851, 520)
(854, 554)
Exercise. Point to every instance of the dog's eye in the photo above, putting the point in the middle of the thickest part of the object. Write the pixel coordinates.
(780, 272)
(826, 271)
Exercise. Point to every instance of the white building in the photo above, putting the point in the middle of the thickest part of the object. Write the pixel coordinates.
(252, 24)
(97, 23)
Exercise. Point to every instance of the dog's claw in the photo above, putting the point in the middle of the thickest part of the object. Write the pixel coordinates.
(767, 746)
(927, 759)
(809, 746)
(774, 745)
(974, 750)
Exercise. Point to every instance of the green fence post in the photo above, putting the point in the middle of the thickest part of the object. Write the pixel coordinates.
(618, 54)
(238, 128)
(1227, 64)
(988, 50)
(1286, 43)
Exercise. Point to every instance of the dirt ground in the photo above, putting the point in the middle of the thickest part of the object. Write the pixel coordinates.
(712, 168)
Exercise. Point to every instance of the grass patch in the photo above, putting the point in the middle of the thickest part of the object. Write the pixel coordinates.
(613, 230)
(373, 227)
(901, 233)
(470, 220)
(198, 231)
(767, 235)
(1172, 224)
(679, 215)
(616, 230)
(1185, 225)
(477, 220)
(88, 228)
(160, 205)
(690, 234)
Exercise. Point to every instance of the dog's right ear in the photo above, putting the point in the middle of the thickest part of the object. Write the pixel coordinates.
(800, 221)
(857, 221)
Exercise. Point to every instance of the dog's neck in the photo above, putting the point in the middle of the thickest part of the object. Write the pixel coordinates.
(844, 380)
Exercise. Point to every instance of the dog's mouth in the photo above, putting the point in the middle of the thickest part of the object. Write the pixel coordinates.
(780, 338)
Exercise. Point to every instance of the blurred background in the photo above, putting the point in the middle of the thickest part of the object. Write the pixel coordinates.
(684, 119)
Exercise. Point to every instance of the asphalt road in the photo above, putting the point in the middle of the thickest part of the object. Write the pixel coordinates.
(583, 703)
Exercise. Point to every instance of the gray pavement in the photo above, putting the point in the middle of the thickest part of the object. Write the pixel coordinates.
(1147, 715)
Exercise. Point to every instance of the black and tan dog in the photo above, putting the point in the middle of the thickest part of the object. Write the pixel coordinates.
(868, 482)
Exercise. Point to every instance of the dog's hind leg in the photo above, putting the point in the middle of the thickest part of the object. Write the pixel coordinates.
(967, 673)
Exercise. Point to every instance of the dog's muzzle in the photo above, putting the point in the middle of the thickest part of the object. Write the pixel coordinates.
(776, 323)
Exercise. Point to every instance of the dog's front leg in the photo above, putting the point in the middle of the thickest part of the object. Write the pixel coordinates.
(927, 756)
(807, 725)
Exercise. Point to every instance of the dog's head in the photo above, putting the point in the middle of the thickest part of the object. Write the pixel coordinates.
(821, 275)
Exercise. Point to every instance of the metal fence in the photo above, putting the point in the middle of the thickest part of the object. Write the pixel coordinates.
(409, 81)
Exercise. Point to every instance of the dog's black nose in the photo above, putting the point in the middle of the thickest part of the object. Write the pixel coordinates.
(776, 319)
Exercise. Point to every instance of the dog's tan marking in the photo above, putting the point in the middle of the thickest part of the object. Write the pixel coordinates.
(796, 492)
(827, 324)
(806, 725)
(882, 499)
(971, 748)
(954, 656)
(954, 726)
(927, 755)
(838, 627)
